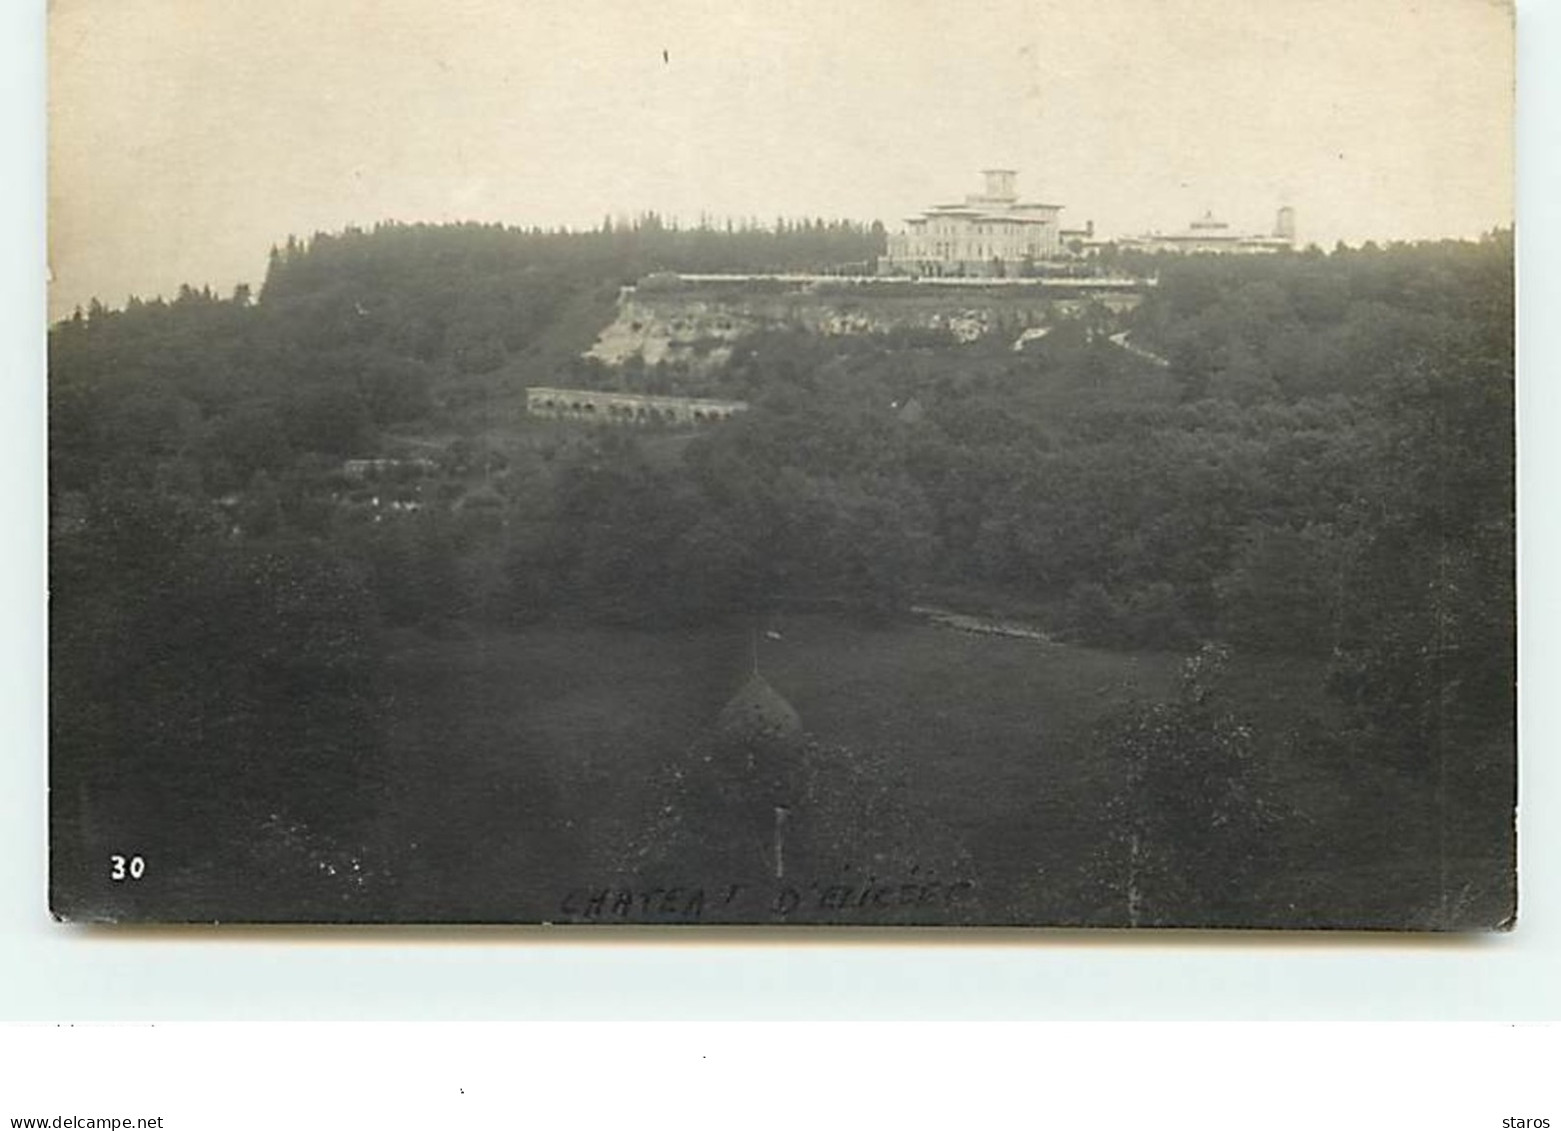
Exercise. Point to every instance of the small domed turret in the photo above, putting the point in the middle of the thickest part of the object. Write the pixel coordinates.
(759, 716)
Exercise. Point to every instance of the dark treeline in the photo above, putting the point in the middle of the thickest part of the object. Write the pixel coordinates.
(1324, 469)
(625, 250)
(474, 293)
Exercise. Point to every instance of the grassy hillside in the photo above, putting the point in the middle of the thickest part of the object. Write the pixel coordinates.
(525, 761)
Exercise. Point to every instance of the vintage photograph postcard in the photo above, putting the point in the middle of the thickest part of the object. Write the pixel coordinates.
(1010, 463)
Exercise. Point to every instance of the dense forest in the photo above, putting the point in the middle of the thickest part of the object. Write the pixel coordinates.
(1323, 471)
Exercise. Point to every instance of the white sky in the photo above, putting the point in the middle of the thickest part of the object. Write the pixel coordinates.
(187, 136)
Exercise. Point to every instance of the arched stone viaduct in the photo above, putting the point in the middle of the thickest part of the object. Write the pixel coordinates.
(627, 408)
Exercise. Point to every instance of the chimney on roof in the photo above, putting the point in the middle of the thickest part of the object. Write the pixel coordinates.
(1000, 184)
(1284, 224)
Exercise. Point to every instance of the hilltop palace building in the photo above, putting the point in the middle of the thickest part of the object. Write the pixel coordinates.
(995, 235)
(991, 234)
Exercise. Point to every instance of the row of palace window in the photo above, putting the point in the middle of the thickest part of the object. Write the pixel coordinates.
(975, 229)
(955, 251)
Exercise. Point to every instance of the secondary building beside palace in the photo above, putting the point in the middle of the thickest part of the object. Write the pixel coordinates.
(1208, 235)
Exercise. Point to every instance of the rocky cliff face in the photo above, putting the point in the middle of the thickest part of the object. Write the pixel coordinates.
(697, 324)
